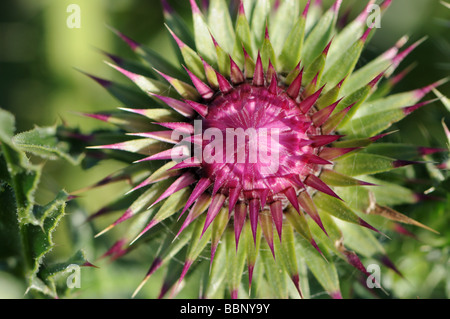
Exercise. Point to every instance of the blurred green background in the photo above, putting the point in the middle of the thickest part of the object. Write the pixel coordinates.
(39, 55)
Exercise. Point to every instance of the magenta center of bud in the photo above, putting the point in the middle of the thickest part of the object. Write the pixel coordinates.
(258, 142)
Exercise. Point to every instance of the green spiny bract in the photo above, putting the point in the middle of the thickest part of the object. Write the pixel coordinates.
(278, 64)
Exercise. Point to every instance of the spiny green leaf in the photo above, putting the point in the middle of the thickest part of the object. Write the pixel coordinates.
(147, 85)
(41, 213)
(252, 247)
(389, 103)
(198, 243)
(316, 67)
(445, 100)
(177, 24)
(274, 273)
(167, 252)
(31, 226)
(287, 250)
(286, 253)
(124, 94)
(223, 60)
(37, 284)
(172, 205)
(336, 208)
(327, 242)
(356, 197)
(400, 151)
(172, 273)
(266, 223)
(314, 14)
(171, 245)
(147, 55)
(184, 89)
(49, 274)
(366, 73)
(138, 222)
(161, 173)
(249, 6)
(218, 227)
(373, 124)
(24, 180)
(298, 221)
(10, 243)
(333, 178)
(7, 126)
(144, 146)
(216, 282)
(360, 240)
(330, 96)
(38, 238)
(303, 274)
(392, 214)
(268, 54)
(156, 114)
(145, 199)
(190, 57)
(126, 121)
(391, 194)
(356, 99)
(16, 160)
(154, 60)
(120, 204)
(352, 31)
